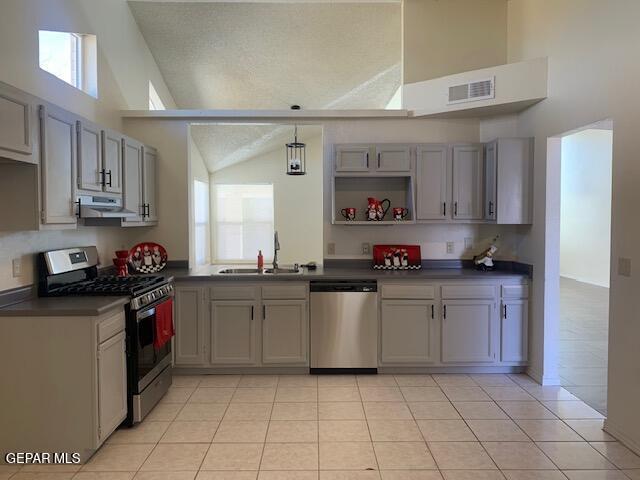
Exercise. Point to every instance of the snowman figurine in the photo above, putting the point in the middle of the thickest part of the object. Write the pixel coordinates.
(484, 261)
(156, 257)
(146, 256)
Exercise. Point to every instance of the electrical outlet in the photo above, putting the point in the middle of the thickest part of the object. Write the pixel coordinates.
(331, 248)
(450, 247)
(468, 243)
(624, 266)
(16, 264)
(366, 248)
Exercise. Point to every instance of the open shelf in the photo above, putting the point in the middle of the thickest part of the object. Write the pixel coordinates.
(353, 191)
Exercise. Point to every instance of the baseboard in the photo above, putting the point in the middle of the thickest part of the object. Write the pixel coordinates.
(617, 433)
(541, 379)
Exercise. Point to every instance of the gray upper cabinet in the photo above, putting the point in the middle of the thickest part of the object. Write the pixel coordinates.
(408, 332)
(468, 331)
(189, 343)
(112, 161)
(112, 385)
(285, 327)
(433, 182)
(393, 158)
(90, 172)
(150, 183)
(467, 182)
(352, 158)
(490, 178)
(132, 161)
(508, 179)
(18, 125)
(58, 163)
(233, 332)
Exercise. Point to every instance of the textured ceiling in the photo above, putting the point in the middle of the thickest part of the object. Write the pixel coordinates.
(272, 55)
(225, 145)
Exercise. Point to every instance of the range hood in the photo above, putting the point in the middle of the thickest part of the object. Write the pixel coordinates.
(102, 207)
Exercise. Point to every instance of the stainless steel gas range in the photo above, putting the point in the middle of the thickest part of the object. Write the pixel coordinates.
(74, 271)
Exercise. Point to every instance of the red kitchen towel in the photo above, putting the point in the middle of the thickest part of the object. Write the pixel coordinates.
(164, 323)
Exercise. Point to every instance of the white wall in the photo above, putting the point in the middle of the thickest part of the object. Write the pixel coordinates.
(197, 171)
(297, 200)
(585, 218)
(591, 72)
(125, 67)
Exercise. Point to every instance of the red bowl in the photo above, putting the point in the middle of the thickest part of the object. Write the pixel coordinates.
(122, 253)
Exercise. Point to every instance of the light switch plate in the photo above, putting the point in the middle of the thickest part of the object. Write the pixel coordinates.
(16, 265)
(624, 266)
(450, 247)
(331, 248)
(468, 243)
(366, 248)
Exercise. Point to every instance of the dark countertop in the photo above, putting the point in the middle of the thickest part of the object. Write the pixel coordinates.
(211, 273)
(85, 306)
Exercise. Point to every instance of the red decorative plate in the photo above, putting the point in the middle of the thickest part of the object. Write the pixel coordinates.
(397, 257)
(147, 257)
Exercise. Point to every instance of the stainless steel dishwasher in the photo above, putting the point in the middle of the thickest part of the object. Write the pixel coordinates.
(344, 326)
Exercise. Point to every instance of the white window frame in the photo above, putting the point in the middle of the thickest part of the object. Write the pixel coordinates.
(268, 256)
(206, 223)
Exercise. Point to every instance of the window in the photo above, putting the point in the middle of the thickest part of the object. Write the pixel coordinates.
(201, 221)
(71, 57)
(243, 222)
(155, 103)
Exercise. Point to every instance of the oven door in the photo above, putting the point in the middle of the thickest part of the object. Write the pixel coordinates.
(149, 361)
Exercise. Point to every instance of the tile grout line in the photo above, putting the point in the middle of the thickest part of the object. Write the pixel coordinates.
(366, 421)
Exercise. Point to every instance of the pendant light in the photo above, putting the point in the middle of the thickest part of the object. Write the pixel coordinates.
(296, 157)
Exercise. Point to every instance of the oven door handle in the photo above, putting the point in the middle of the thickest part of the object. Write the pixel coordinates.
(145, 314)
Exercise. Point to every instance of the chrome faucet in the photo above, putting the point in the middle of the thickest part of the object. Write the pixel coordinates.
(276, 247)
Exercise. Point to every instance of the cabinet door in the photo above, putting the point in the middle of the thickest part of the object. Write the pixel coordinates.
(433, 182)
(490, 181)
(515, 180)
(233, 332)
(514, 337)
(407, 331)
(112, 161)
(393, 158)
(17, 125)
(352, 158)
(468, 331)
(58, 151)
(112, 385)
(467, 182)
(90, 171)
(149, 183)
(189, 341)
(285, 327)
(132, 161)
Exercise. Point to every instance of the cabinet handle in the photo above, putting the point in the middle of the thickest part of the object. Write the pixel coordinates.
(103, 177)
(504, 308)
(251, 312)
(490, 208)
(444, 312)
(109, 184)
(455, 209)
(433, 311)
(367, 160)
(264, 312)
(79, 203)
(378, 160)
(444, 209)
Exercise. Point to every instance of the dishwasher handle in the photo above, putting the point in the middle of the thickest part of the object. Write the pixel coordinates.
(344, 286)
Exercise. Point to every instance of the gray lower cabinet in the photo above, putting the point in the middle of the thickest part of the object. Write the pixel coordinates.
(514, 327)
(112, 385)
(285, 327)
(469, 331)
(233, 332)
(408, 332)
(189, 343)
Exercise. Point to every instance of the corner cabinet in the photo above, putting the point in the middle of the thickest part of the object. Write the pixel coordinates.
(58, 166)
(189, 344)
(18, 125)
(112, 384)
(150, 183)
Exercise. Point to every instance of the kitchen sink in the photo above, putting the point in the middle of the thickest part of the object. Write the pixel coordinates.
(276, 271)
(240, 270)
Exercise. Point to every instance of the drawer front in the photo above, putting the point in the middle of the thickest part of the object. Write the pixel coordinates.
(515, 291)
(418, 292)
(285, 292)
(110, 326)
(468, 291)
(240, 292)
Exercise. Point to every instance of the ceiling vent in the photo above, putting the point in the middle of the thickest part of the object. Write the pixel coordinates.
(470, 92)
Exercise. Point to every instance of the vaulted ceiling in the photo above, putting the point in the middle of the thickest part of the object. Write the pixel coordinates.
(239, 55)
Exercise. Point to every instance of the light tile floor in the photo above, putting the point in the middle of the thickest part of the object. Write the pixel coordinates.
(583, 341)
(384, 427)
